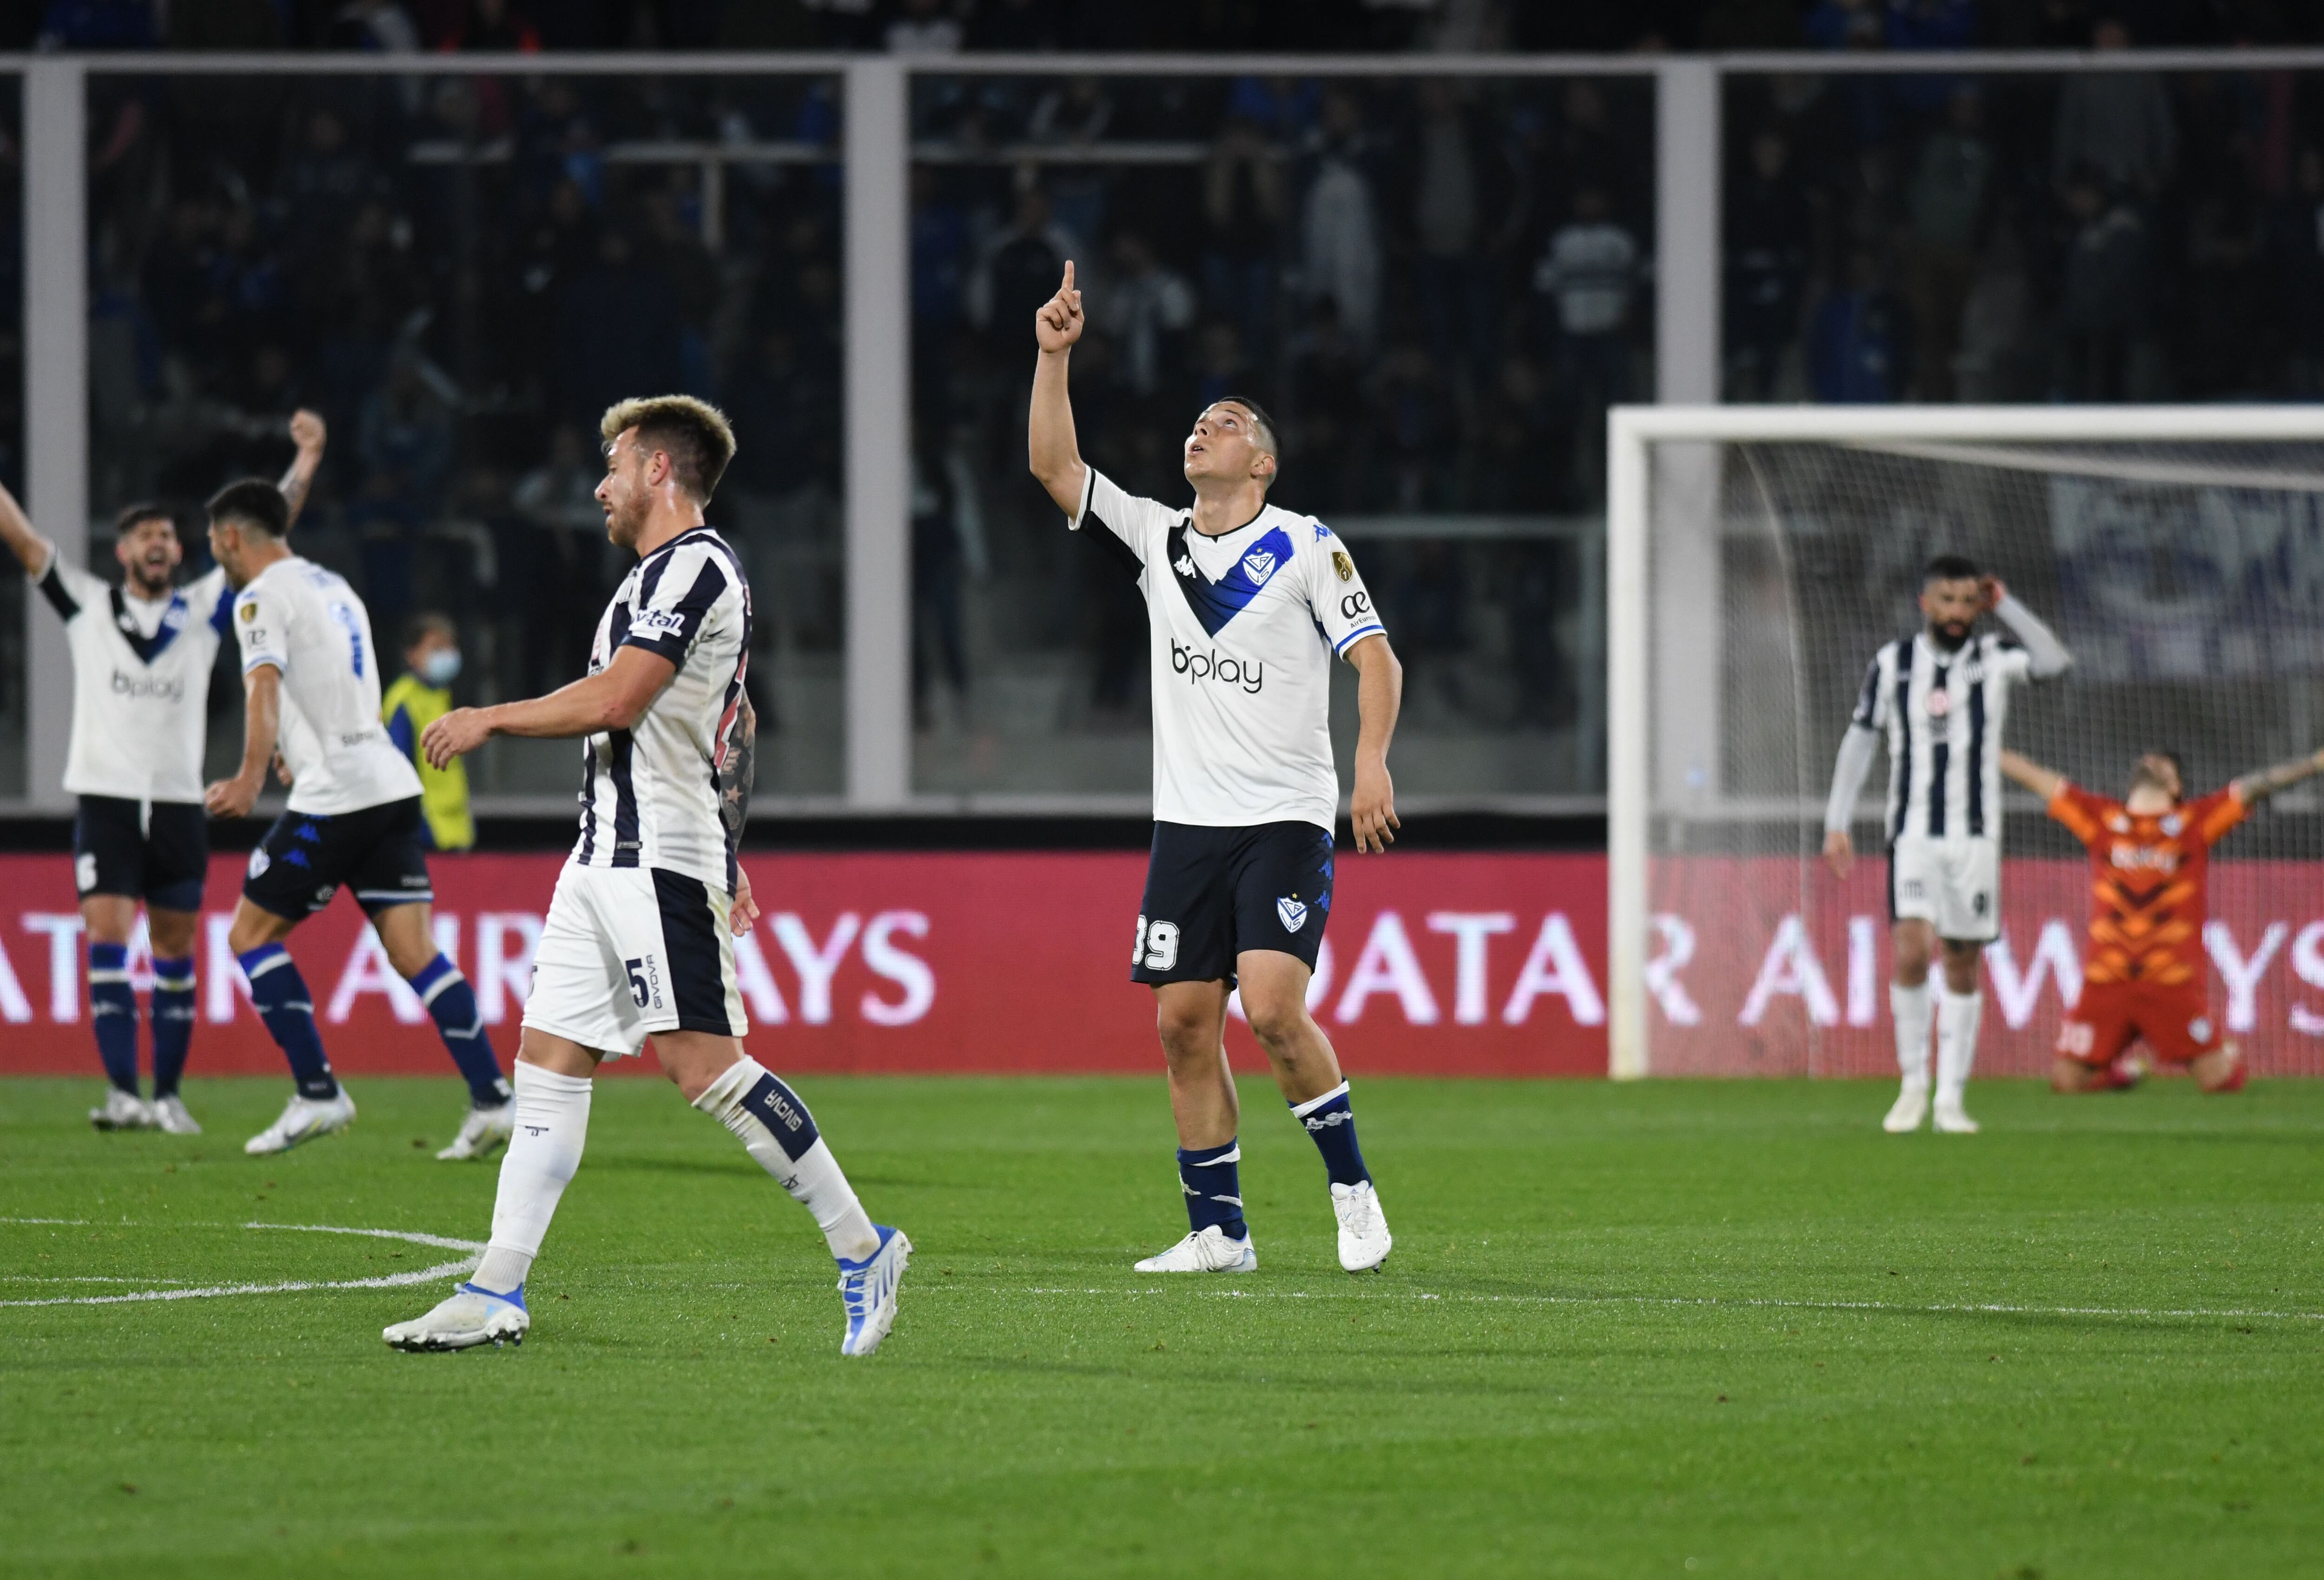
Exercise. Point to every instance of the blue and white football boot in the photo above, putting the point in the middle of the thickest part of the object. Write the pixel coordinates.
(471, 1317)
(869, 1287)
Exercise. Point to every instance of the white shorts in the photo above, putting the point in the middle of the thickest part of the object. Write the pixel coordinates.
(628, 951)
(1953, 884)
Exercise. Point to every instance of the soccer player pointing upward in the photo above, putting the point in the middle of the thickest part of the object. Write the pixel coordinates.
(1247, 605)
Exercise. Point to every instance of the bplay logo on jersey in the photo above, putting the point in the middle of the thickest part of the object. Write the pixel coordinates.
(150, 686)
(1215, 665)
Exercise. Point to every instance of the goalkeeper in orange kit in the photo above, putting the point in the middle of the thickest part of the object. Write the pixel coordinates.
(2147, 975)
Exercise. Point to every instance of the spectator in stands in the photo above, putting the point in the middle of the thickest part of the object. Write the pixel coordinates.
(616, 330)
(1147, 307)
(1243, 212)
(421, 695)
(1769, 229)
(1589, 273)
(925, 28)
(2117, 124)
(938, 562)
(379, 26)
(1860, 343)
(1945, 204)
(1019, 271)
(1338, 222)
(559, 543)
(1461, 198)
(2103, 300)
(1518, 426)
(1411, 412)
(1324, 403)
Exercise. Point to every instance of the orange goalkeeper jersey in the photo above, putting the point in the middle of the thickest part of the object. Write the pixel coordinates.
(2148, 882)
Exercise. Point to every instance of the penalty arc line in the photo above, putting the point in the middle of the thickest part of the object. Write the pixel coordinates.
(473, 1250)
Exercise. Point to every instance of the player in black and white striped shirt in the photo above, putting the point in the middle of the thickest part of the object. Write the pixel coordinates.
(1942, 697)
(639, 941)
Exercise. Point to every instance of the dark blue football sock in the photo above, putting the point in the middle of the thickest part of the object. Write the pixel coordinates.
(113, 1012)
(453, 1002)
(1331, 1122)
(173, 1022)
(289, 1011)
(1213, 1188)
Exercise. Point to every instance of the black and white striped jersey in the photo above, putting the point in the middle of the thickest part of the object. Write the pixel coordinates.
(649, 792)
(1944, 714)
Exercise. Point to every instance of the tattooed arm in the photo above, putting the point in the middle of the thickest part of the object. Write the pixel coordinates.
(734, 806)
(307, 433)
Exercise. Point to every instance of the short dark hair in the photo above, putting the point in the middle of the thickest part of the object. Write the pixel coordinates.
(1950, 567)
(2178, 767)
(416, 628)
(693, 433)
(1260, 419)
(252, 502)
(143, 510)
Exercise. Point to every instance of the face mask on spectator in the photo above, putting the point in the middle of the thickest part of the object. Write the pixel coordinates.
(441, 667)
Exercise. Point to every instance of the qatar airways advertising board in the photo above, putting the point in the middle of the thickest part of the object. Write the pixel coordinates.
(1434, 964)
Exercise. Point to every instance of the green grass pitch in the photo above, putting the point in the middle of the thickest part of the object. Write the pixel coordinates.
(1660, 1330)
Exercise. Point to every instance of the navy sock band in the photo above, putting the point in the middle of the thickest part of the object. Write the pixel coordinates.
(1213, 1188)
(289, 1011)
(113, 1013)
(1331, 1124)
(173, 1022)
(452, 1003)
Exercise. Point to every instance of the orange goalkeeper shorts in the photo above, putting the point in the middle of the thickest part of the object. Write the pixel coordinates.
(2175, 1021)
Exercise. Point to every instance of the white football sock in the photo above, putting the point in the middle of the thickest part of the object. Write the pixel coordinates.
(1958, 1015)
(544, 1149)
(776, 1129)
(1909, 1008)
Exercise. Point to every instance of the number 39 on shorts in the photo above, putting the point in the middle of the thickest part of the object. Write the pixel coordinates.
(1157, 948)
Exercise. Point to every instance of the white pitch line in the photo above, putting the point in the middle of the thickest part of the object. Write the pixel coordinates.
(466, 1263)
(1962, 1308)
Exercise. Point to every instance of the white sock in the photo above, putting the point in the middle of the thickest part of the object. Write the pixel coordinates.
(1909, 1008)
(552, 1126)
(776, 1129)
(1957, 1017)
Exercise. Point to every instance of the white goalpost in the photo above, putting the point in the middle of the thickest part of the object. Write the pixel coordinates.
(1757, 557)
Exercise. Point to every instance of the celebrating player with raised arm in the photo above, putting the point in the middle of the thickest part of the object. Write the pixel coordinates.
(142, 656)
(1941, 696)
(1247, 603)
(310, 686)
(2147, 975)
(639, 938)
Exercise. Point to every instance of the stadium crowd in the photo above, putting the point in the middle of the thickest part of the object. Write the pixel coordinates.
(1438, 286)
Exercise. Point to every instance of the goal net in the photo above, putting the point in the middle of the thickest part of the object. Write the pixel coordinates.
(1759, 558)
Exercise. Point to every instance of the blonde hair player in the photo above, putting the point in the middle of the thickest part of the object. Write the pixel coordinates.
(640, 939)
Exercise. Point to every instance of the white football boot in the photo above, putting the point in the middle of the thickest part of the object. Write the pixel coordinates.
(1951, 1119)
(303, 1120)
(170, 1113)
(471, 1317)
(121, 1111)
(1208, 1252)
(483, 1132)
(869, 1289)
(1364, 1239)
(1911, 1106)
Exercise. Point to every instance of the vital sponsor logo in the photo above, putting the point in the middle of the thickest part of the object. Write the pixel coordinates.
(1293, 913)
(667, 620)
(1224, 668)
(150, 687)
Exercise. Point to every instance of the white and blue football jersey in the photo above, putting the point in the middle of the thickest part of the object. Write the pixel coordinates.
(140, 682)
(1242, 629)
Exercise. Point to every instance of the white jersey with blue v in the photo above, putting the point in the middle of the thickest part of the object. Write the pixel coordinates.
(1242, 629)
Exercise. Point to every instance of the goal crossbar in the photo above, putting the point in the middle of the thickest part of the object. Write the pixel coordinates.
(1933, 431)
